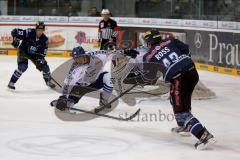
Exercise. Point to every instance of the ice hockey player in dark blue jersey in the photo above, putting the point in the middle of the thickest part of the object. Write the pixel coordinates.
(33, 47)
(180, 72)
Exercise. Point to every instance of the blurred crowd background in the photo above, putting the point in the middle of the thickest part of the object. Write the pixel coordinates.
(222, 10)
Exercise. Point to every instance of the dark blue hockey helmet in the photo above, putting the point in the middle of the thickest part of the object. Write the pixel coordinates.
(152, 37)
(79, 55)
(77, 52)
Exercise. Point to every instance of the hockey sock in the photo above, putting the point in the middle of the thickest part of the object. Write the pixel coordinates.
(16, 75)
(46, 76)
(192, 124)
(194, 127)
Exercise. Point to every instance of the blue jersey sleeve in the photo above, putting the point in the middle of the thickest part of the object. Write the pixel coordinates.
(182, 47)
(19, 33)
(22, 34)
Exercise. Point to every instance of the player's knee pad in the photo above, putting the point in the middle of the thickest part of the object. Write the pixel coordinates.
(108, 86)
(22, 67)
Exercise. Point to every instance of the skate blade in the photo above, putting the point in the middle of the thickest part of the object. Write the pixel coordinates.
(204, 146)
(182, 134)
(185, 134)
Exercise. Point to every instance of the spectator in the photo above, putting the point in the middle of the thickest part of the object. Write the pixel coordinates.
(71, 11)
(93, 12)
(177, 12)
(40, 12)
(54, 12)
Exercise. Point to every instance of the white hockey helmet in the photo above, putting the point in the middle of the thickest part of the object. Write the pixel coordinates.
(105, 12)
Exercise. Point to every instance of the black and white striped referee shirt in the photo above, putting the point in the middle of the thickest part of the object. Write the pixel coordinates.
(107, 29)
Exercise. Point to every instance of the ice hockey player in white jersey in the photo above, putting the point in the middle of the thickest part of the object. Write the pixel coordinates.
(86, 75)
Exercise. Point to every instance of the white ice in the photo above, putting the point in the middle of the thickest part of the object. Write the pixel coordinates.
(30, 129)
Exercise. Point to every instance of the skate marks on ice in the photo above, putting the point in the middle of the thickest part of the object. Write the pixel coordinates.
(70, 145)
(26, 93)
(168, 141)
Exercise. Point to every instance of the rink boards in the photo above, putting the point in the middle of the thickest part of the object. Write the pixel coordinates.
(202, 66)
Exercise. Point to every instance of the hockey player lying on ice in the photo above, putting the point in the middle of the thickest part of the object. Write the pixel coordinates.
(86, 75)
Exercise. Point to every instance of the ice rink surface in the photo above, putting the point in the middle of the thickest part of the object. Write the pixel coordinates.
(30, 129)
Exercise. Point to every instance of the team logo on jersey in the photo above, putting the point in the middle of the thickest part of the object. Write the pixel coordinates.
(198, 40)
(80, 37)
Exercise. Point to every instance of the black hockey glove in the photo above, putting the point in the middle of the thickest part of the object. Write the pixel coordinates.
(131, 53)
(40, 63)
(62, 103)
(14, 32)
(15, 42)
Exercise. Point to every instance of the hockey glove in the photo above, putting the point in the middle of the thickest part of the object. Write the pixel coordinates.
(131, 53)
(14, 32)
(15, 42)
(62, 103)
(40, 63)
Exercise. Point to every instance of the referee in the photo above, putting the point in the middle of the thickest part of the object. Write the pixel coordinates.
(107, 29)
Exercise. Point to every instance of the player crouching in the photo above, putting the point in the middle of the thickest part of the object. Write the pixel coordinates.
(33, 47)
(86, 75)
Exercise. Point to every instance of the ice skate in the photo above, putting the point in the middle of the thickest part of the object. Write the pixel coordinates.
(206, 140)
(50, 84)
(11, 86)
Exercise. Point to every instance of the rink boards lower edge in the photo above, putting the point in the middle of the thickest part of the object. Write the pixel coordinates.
(207, 67)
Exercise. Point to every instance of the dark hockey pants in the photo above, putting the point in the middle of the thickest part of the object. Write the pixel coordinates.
(181, 90)
(78, 91)
(22, 62)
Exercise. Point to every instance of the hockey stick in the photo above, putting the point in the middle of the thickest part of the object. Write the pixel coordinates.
(108, 116)
(145, 92)
(34, 62)
(100, 108)
(56, 82)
